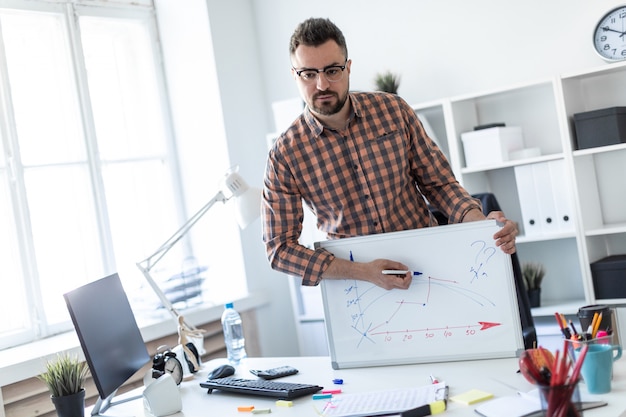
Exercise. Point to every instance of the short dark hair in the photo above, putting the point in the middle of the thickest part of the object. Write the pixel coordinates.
(315, 32)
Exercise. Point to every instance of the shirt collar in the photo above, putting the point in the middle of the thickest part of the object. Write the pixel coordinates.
(317, 127)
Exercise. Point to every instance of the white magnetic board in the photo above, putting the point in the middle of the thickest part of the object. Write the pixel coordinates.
(462, 307)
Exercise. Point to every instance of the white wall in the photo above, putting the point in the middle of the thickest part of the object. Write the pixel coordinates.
(199, 87)
(440, 48)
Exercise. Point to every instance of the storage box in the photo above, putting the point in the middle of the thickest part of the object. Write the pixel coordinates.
(609, 277)
(600, 127)
(491, 146)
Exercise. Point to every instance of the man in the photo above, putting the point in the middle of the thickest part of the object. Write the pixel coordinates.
(361, 161)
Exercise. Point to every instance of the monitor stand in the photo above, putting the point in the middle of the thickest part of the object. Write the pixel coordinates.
(102, 405)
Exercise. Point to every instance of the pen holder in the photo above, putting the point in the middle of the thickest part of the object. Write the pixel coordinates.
(560, 400)
(597, 367)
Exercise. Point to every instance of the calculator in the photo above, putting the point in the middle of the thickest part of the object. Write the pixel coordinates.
(274, 373)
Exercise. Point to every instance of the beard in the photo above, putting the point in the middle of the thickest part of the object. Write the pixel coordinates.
(326, 107)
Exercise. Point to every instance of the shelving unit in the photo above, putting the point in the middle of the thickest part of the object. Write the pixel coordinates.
(594, 179)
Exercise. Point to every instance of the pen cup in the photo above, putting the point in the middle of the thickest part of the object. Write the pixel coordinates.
(597, 367)
(560, 400)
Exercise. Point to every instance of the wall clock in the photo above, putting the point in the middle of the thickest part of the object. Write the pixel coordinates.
(609, 36)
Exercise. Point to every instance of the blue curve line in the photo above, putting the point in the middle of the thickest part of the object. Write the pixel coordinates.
(364, 335)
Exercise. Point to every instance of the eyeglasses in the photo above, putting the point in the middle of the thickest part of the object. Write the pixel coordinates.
(333, 73)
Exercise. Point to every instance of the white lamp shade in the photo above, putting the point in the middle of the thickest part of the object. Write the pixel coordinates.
(247, 199)
(248, 206)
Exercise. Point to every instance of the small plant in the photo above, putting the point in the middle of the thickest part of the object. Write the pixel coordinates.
(533, 274)
(387, 82)
(65, 376)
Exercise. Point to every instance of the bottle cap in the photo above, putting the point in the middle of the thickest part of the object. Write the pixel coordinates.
(228, 305)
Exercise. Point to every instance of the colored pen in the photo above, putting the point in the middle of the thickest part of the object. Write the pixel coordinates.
(351, 257)
(433, 379)
(400, 272)
(560, 321)
(437, 407)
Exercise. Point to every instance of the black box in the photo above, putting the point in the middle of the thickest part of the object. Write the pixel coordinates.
(600, 127)
(609, 277)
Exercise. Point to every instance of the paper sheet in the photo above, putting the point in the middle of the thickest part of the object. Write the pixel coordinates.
(375, 403)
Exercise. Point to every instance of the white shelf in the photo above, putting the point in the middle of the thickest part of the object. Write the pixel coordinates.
(593, 180)
(513, 163)
(599, 149)
(608, 229)
(548, 308)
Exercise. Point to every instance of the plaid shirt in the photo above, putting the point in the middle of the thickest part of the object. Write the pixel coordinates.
(361, 180)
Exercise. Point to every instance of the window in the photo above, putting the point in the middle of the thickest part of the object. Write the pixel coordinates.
(89, 183)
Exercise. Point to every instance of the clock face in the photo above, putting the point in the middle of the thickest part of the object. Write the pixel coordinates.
(609, 38)
(174, 368)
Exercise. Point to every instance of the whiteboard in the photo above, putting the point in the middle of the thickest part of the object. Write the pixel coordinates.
(462, 307)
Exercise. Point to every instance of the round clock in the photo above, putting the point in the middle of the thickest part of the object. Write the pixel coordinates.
(165, 361)
(609, 37)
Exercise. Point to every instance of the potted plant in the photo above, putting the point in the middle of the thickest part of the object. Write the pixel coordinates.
(65, 379)
(387, 82)
(533, 274)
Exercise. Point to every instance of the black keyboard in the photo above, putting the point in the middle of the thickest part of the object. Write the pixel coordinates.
(276, 389)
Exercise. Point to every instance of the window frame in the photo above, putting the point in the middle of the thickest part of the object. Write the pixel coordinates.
(71, 12)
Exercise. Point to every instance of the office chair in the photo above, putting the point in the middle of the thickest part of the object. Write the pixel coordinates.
(489, 203)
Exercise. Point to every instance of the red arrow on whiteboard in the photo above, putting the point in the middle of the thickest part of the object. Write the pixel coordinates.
(486, 325)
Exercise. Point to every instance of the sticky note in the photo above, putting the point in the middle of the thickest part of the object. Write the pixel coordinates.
(472, 396)
(284, 403)
(261, 411)
(245, 408)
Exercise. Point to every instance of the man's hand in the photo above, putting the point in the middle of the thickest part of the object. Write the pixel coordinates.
(505, 237)
(370, 272)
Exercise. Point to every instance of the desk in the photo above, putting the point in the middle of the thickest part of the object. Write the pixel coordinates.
(498, 376)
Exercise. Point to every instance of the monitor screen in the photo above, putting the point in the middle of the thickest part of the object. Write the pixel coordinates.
(108, 333)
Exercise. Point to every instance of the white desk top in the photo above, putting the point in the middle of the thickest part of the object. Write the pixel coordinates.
(498, 376)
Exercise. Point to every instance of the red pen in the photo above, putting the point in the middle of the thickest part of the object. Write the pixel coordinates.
(433, 379)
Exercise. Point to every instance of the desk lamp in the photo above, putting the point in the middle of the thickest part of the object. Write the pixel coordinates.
(247, 202)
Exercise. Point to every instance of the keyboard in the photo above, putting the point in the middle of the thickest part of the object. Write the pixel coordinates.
(275, 389)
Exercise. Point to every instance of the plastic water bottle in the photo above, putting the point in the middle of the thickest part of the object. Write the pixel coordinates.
(233, 334)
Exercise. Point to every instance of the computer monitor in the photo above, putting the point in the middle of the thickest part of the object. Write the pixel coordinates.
(108, 334)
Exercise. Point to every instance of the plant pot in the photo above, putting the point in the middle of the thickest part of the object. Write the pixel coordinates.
(534, 297)
(70, 405)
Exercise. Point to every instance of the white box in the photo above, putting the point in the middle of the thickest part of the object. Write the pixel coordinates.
(491, 146)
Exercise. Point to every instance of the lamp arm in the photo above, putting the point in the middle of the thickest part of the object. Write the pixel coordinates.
(147, 264)
(150, 261)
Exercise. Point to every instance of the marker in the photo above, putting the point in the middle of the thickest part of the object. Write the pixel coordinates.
(244, 408)
(332, 391)
(433, 379)
(400, 272)
(322, 396)
(426, 410)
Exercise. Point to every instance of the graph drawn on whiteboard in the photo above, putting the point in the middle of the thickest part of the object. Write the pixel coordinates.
(462, 306)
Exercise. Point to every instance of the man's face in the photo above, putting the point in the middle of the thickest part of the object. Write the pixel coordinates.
(322, 96)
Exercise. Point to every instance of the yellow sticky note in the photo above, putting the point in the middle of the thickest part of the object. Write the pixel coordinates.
(284, 403)
(472, 396)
